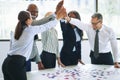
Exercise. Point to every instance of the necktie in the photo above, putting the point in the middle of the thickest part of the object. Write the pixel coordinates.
(96, 45)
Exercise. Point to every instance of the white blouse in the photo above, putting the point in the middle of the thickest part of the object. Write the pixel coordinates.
(24, 45)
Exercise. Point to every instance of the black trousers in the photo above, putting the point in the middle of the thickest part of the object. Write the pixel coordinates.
(48, 59)
(28, 65)
(104, 58)
(71, 57)
(13, 68)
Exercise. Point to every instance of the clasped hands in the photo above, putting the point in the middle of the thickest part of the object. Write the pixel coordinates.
(60, 10)
(61, 13)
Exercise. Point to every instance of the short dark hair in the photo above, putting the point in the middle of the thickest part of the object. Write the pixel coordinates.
(76, 14)
(97, 15)
(32, 7)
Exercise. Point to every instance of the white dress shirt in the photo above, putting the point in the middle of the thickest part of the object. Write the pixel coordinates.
(24, 45)
(107, 38)
(77, 38)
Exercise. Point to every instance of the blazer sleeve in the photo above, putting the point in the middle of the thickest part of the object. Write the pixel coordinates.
(63, 26)
(43, 20)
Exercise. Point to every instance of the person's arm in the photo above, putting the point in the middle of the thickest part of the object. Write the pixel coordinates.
(37, 58)
(39, 62)
(41, 28)
(44, 39)
(114, 46)
(59, 13)
(43, 20)
(63, 25)
(11, 38)
(115, 51)
(78, 23)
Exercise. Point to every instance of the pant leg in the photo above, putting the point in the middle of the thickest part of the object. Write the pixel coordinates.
(5, 70)
(69, 59)
(65, 58)
(104, 58)
(48, 59)
(108, 59)
(74, 58)
(28, 65)
(14, 68)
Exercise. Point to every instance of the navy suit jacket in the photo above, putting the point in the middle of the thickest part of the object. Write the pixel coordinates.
(69, 39)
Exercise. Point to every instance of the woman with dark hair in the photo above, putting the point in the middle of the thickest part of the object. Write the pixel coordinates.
(72, 36)
(13, 66)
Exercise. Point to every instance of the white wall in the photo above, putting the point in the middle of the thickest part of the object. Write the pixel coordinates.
(4, 47)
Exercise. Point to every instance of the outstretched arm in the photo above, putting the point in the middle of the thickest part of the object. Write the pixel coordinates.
(43, 20)
(60, 12)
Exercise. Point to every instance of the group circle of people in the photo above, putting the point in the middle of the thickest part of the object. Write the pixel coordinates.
(23, 48)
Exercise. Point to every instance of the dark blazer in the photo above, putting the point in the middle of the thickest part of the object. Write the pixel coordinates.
(69, 39)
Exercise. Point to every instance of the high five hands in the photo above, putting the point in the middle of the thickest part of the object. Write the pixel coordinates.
(60, 10)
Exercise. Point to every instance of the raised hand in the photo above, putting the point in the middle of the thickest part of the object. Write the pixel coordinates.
(59, 6)
(60, 10)
(61, 13)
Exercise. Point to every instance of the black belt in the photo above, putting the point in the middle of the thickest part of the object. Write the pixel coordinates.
(102, 53)
(17, 56)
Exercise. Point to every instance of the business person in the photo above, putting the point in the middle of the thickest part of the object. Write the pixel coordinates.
(33, 9)
(105, 42)
(13, 67)
(34, 57)
(50, 47)
(72, 36)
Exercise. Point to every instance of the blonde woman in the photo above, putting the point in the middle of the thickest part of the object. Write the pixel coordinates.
(50, 47)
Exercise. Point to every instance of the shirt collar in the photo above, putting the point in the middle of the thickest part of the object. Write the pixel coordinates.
(101, 28)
